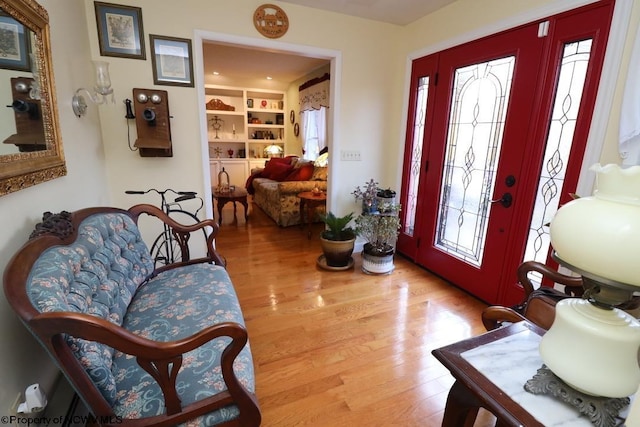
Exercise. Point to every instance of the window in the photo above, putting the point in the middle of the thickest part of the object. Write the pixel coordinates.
(314, 132)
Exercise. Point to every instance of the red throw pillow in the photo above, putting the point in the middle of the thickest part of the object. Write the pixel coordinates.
(303, 173)
(276, 171)
(281, 160)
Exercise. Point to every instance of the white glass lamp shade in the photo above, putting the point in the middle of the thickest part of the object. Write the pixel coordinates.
(594, 350)
(601, 234)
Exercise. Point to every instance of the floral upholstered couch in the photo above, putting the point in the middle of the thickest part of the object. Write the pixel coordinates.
(275, 188)
(140, 345)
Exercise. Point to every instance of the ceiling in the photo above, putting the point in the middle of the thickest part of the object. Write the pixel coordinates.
(399, 12)
(249, 67)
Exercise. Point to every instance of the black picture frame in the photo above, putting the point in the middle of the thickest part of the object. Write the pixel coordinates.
(172, 61)
(292, 117)
(120, 31)
(296, 129)
(15, 45)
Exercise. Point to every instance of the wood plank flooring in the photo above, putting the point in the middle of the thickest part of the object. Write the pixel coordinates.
(342, 348)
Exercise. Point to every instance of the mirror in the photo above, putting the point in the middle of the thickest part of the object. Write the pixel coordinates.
(26, 88)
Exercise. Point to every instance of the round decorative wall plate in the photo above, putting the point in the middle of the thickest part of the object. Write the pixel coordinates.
(270, 21)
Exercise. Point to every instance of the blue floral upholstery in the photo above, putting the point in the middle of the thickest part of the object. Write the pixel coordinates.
(105, 273)
(169, 307)
(97, 274)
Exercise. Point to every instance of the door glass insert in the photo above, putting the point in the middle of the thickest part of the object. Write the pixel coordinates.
(416, 155)
(566, 104)
(476, 125)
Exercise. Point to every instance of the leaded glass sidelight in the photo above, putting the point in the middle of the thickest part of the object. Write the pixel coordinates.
(573, 71)
(475, 130)
(416, 155)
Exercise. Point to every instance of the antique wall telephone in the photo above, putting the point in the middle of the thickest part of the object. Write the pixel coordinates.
(129, 115)
(150, 109)
(29, 134)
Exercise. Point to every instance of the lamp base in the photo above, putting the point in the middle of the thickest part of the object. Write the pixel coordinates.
(602, 411)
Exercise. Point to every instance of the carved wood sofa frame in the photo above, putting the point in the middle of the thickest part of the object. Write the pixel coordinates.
(161, 360)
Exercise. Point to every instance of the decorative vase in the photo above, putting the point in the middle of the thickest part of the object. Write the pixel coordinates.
(591, 345)
(377, 263)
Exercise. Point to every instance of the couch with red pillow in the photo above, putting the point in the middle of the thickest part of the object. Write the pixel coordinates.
(275, 187)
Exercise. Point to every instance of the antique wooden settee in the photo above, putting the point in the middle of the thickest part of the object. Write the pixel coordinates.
(140, 345)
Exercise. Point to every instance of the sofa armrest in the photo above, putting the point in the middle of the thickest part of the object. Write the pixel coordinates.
(182, 234)
(162, 360)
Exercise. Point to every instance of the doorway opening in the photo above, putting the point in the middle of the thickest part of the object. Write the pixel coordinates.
(244, 62)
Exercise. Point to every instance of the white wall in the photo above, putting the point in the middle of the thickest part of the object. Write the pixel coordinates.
(22, 359)
(369, 76)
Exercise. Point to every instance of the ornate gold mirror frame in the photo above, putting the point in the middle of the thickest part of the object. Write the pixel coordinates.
(22, 170)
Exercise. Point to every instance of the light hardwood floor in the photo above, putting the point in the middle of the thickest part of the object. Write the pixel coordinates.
(342, 348)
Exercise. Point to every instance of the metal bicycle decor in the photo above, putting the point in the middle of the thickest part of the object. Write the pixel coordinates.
(167, 248)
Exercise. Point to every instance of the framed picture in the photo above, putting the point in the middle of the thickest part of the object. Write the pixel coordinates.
(172, 61)
(120, 30)
(15, 45)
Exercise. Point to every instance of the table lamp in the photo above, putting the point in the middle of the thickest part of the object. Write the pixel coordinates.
(592, 345)
(273, 150)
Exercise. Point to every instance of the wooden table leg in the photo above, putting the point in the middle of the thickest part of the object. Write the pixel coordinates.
(302, 203)
(244, 203)
(221, 203)
(311, 209)
(462, 407)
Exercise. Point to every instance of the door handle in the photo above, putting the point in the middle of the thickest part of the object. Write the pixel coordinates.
(505, 200)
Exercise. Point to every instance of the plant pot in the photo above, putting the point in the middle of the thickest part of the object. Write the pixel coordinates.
(337, 253)
(377, 262)
(386, 200)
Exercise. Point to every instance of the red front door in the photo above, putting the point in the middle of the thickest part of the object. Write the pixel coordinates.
(484, 113)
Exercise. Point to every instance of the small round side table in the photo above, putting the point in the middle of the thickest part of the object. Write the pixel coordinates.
(311, 201)
(237, 195)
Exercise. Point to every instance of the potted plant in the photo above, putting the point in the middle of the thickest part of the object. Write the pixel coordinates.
(369, 196)
(380, 230)
(337, 242)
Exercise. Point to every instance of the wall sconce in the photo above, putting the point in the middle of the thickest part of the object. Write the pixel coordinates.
(100, 93)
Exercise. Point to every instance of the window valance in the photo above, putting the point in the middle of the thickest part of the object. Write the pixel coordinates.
(315, 94)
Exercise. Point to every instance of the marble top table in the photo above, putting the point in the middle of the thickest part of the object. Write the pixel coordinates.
(490, 372)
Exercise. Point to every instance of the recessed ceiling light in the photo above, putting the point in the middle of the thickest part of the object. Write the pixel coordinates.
(269, 78)
(215, 73)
